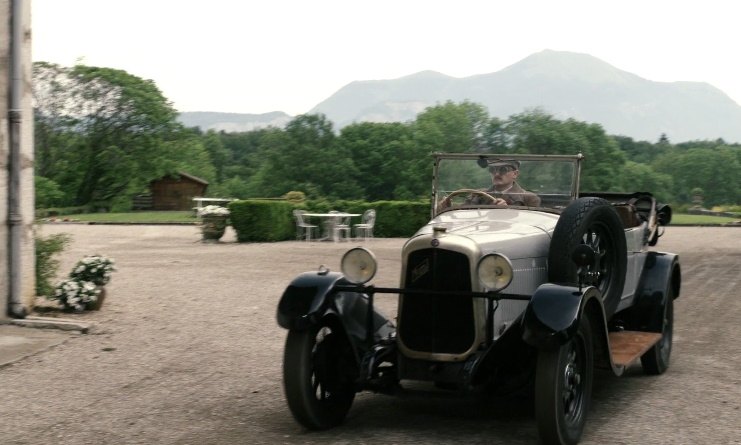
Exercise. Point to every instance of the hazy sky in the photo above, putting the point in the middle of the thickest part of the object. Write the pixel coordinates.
(249, 56)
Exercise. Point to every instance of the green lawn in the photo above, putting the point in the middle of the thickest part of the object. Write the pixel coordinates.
(700, 219)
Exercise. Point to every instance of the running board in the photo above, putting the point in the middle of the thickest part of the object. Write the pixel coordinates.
(627, 346)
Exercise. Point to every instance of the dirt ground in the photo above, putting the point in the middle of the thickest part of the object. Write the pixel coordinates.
(186, 350)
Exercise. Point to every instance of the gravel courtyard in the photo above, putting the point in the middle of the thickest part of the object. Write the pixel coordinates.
(187, 351)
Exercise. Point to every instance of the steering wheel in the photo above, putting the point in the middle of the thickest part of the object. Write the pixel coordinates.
(446, 202)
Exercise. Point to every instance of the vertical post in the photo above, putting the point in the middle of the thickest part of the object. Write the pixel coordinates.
(15, 219)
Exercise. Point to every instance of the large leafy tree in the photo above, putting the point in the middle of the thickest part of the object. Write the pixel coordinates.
(638, 177)
(537, 132)
(453, 127)
(305, 157)
(714, 170)
(387, 160)
(102, 133)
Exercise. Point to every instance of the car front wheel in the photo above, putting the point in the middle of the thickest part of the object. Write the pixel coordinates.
(563, 387)
(319, 372)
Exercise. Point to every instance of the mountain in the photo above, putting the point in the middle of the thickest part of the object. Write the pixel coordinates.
(564, 84)
(233, 122)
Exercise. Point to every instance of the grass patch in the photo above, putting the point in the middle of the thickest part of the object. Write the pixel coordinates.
(175, 217)
(683, 218)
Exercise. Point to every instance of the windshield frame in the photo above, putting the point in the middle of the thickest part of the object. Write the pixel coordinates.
(484, 157)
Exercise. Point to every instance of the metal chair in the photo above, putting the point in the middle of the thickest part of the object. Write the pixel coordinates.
(339, 226)
(366, 226)
(303, 229)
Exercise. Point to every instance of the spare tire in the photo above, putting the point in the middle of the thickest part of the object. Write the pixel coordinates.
(594, 222)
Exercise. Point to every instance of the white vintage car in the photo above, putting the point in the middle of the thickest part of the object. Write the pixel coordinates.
(498, 292)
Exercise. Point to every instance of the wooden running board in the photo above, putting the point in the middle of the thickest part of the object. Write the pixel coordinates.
(627, 346)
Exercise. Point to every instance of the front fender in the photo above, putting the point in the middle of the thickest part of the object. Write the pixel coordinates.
(661, 279)
(312, 296)
(306, 299)
(553, 313)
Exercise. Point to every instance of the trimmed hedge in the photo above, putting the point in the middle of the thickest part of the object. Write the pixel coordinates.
(258, 220)
(262, 220)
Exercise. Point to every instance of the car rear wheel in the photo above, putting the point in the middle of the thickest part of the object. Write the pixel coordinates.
(319, 372)
(656, 360)
(563, 387)
(591, 221)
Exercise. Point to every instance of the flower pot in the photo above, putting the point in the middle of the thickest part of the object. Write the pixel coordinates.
(213, 227)
(97, 304)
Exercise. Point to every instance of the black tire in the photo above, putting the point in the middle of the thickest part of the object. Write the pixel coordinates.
(319, 373)
(563, 387)
(656, 360)
(594, 222)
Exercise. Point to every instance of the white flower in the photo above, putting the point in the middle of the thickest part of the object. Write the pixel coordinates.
(73, 294)
(213, 210)
(95, 268)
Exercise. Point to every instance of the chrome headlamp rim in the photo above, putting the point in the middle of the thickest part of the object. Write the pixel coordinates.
(359, 265)
(495, 271)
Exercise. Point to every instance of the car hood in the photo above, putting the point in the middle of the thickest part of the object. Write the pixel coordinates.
(514, 232)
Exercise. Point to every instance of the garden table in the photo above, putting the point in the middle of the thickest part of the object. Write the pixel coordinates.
(329, 223)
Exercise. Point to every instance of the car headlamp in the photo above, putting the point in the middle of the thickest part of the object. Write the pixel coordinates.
(358, 265)
(495, 271)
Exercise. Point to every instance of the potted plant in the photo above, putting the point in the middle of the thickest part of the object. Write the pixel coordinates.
(76, 295)
(94, 268)
(213, 222)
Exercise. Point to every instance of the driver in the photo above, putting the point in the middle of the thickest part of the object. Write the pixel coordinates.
(504, 188)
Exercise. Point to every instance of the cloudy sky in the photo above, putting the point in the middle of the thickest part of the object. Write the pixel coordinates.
(249, 56)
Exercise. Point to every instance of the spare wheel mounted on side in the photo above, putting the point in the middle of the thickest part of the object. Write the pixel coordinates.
(594, 222)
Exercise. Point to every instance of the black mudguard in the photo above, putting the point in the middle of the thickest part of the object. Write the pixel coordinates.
(660, 278)
(311, 296)
(553, 314)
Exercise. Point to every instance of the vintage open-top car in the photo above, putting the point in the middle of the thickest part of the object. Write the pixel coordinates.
(531, 287)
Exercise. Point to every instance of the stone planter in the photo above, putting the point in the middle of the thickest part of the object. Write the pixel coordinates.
(213, 228)
(97, 304)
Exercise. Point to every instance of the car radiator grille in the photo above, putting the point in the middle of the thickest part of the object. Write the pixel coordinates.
(437, 324)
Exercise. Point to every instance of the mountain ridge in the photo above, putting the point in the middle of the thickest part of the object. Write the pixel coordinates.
(563, 84)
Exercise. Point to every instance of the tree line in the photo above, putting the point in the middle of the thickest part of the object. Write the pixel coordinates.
(101, 135)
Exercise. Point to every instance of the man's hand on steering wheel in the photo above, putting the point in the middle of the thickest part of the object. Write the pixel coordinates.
(447, 201)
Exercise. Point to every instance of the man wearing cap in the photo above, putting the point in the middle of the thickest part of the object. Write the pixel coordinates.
(504, 188)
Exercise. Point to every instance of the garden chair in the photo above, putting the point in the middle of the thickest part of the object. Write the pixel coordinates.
(366, 225)
(340, 225)
(303, 229)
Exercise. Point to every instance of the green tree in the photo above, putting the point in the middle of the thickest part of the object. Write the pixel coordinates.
(103, 133)
(642, 178)
(386, 158)
(537, 132)
(218, 154)
(453, 128)
(305, 157)
(714, 170)
(48, 193)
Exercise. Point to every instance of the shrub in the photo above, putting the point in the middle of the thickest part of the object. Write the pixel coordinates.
(295, 197)
(46, 263)
(262, 220)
